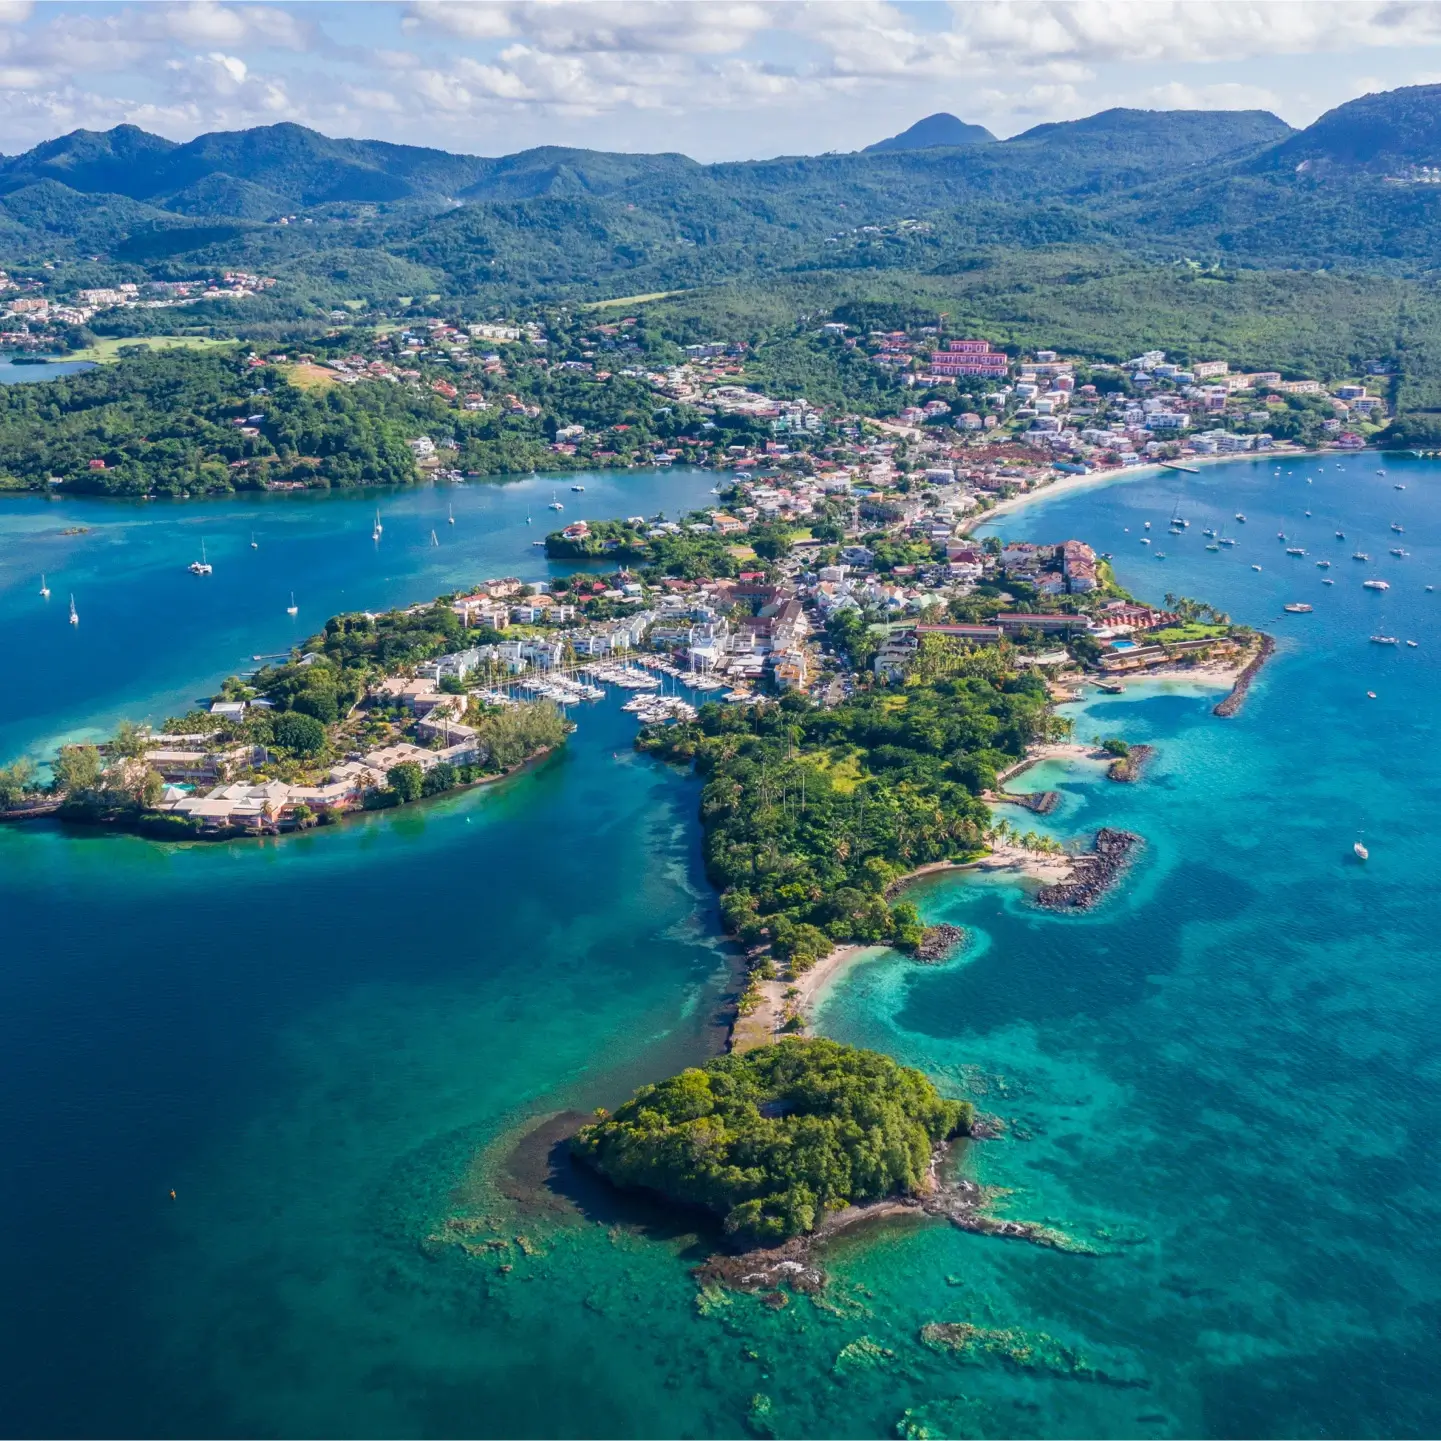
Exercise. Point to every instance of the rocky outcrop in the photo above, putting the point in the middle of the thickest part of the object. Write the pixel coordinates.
(1093, 874)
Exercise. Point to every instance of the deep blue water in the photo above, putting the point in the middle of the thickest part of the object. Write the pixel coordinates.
(12, 374)
(1223, 1080)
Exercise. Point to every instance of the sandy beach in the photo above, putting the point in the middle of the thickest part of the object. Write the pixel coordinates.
(1069, 484)
(762, 1026)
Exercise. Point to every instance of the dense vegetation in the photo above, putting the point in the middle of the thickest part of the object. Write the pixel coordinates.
(810, 814)
(772, 1140)
(689, 556)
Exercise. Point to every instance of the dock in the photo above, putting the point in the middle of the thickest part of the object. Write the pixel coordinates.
(1176, 465)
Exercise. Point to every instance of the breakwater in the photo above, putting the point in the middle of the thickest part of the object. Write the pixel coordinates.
(1041, 802)
(1232, 703)
(1128, 768)
(1094, 873)
(939, 943)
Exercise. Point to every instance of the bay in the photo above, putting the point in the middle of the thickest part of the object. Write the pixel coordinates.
(1221, 1082)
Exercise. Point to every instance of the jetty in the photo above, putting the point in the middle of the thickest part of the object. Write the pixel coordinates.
(1176, 465)
(1093, 874)
(1232, 703)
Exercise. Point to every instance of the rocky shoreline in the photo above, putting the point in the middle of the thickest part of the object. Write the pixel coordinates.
(1041, 802)
(1232, 703)
(793, 1266)
(1093, 874)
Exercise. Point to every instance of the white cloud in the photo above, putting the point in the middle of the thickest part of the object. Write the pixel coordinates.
(1224, 95)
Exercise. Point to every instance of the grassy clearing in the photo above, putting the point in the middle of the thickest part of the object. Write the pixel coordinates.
(105, 351)
(632, 300)
(305, 376)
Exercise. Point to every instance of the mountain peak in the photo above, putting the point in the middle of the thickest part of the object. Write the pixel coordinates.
(934, 131)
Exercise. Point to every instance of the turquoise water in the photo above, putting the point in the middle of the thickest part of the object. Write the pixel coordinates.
(1222, 1081)
(152, 637)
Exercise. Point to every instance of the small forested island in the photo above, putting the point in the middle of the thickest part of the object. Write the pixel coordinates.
(774, 1141)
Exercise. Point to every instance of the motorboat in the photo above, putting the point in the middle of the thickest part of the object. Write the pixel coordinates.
(1360, 851)
(1376, 584)
(1359, 555)
(1294, 550)
(1383, 640)
(1297, 607)
(1324, 564)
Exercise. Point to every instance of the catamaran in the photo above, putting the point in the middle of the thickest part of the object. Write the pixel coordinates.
(554, 503)
(375, 532)
(201, 566)
(44, 589)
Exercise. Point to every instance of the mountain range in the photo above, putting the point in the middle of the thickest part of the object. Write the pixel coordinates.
(1354, 190)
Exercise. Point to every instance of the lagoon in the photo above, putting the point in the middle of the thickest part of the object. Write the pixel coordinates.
(1223, 1079)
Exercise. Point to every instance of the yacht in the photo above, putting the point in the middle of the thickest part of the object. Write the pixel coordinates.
(1398, 486)
(579, 489)
(74, 618)
(1148, 525)
(1360, 555)
(1361, 853)
(1340, 535)
(1240, 517)
(292, 608)
(1308, 515)
(1209, 533)
(378, 528)
(44, 589)
(1255, 567)
(1383, 640)
(1400, 530)
(1297, 607)
(450, 516)
(554, 503)
(254, 544)
(1213, 546)
(201, 566)
(1280, 535)
(1324, 564)
(1376, 584)
(1145, 540)
(1326, 580)
(1159, 554)
(1412, 644)
(1294, 550)
(1399, 553)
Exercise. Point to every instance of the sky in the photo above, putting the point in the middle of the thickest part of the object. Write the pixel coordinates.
(715, 79)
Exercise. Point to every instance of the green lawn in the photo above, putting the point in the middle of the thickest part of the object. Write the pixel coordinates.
(1194, 631)
(108, 350)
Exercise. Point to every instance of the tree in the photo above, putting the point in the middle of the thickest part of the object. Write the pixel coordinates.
(77, 770)
(300, 733)
(130, 740)
(151, 790)
(15, 783)
(407, 780)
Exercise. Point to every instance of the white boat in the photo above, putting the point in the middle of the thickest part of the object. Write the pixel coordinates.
(1328, 581)
(1412, 644)
(1399, 553)
(292, 608)
(1294, 550)
(1148, 525)
(450, 516)
(44, 589)
(554, 503)
(1360, 555)
(375, 532)
(1255, 567)
(579, 489)
(1145, 540)
(1398, 486)
(1240, 517)
(1324, 564)
(1383, 640)
(254, 544)
(201, 566)
(74, 617)
(1400, 530)
(1376, 584)
(1297, 607)
(1361, 853)
(1340, 535)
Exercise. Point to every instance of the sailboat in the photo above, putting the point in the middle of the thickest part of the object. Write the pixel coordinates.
(292, 607)
(201, 566)
(450, 516)
(528, 520)
(254, 544)
(375, 533)
(44, 589)
(554, 503)
(74, 617)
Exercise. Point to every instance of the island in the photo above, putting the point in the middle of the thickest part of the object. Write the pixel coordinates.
(773, 1142)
